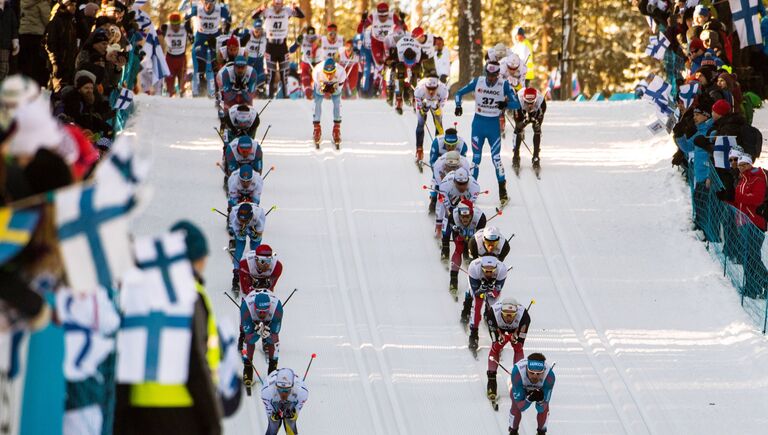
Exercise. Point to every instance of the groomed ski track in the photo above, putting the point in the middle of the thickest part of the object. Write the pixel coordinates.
(647, 336)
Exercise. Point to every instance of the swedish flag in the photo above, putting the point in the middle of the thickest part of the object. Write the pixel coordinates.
(16, 228)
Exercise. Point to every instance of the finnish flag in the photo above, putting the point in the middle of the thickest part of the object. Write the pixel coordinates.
(746, 21)
(89, 322)
(92, 225)
(158, 300)
(723, 146)
(688, 93)
(124, 99)
(123, 166)
(658, 91)
(657, 47)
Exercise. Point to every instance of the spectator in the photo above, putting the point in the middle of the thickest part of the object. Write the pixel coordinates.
(696, 146)
(92, 56)
(712, 44)
(33, 63)
(79, 105)
(696, 52)
(61, 45)
(9, 37)
(729, 90)
(750, 194)
(85, 17)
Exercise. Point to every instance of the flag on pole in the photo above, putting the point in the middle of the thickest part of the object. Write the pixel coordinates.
(151, 47)
(123, 166)
(688, 93)
(657, 47)
(92, 224)
(158, 301)
(658, 92)
(124, 99)
(723, 146)
(89, 322)
(16, 228)
(746, 21)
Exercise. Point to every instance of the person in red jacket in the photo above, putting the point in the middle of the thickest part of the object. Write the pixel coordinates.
(382, 24)
(260, 269)
(750, 193)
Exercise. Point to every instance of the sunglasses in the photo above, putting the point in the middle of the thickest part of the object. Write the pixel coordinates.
(283, 390)
(264, 260)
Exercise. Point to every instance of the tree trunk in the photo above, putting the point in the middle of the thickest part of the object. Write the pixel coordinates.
(569, 42)
(547, 12)
(330, 12)
(470, 40)
(417, 13)
(306, 7)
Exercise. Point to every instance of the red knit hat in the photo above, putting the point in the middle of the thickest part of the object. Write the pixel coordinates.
(721, 107)
(382, 8)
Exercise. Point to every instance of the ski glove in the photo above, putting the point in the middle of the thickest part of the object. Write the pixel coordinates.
(502, 105)
(458, 111)
(535, 396)
(265, 331)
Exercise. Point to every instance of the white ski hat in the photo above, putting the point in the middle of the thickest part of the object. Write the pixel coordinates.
(452, 158)
(488, 262)
(745, 158)
(461, 176)
(284, 378)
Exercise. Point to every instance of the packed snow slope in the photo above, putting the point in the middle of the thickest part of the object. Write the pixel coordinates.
(647, 336)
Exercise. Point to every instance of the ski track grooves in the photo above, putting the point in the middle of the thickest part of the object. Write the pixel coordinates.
(365, 378)
(582, 323)
(366, 298)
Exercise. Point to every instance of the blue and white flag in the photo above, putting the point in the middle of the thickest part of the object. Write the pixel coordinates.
(229, 382)
(139, 3)
(92, 222)
(123, 166)
(688, 93)
(657, 47)
(723, 146)
(158, 301)
(89, 321)
(151, 47)
(124, 99)
(659, 92)
(746, 21)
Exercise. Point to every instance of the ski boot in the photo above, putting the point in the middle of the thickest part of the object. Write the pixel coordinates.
(503, 198)
(272, 366)
(336, 134)
(453, 287)
(536, 163)
(316, 134)
(465, 310)
(513, 431)
(541, 432)
(516, 163)
(399, 105)
(235, 283)
(247, 375)
(240, 341)
(473, 339)
(420, 159)
(432, 204)
(445, 252)
(491, 390)
(390, 94)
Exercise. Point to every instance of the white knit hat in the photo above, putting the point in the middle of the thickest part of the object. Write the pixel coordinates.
(745, 158)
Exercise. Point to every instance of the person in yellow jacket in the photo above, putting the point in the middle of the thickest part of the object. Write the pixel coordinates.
(524, 49)
(192, 408)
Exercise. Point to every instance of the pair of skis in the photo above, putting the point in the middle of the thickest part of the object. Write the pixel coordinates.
(536, 169)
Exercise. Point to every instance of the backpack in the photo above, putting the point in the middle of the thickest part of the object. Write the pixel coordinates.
(751, 139)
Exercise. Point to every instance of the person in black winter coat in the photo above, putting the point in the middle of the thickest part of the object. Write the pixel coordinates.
(61, 45)
(80, 103)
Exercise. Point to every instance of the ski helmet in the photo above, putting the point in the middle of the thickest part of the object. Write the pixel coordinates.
(488, 263)
(492, 68)
(261, 301)
(452, 159)
(461, 176)
(284, 379)
(431, 83)
(530, 95)
(491, 234)
(329, 67)
(450, 139)
(500, 50)
(513, 61)
(241, 116)
(244, 145)
(246, 173)
(509, 307)
(245, 211)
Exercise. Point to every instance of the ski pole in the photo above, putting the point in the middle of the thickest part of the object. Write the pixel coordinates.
(265, 134)
(233, 301)
(221, 136)
(265, 106)
(426, 164)
(289, 297)
(523, 140)
(306, 372)
(267, 174)
(219, 212)
(221, 167)
(533, 301)
(498, 213)
(274, 207)
(510, 237)
(425, 187)
(500, 365)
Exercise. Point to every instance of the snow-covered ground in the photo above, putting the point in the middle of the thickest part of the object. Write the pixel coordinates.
(647, 335)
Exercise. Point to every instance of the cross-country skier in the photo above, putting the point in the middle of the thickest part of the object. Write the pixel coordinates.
(260, 269)
(531, 112)
(261, 316)
(244, 186)
(349, 59)
(381, 25)
(283, 395)
(510, 323)
(240, 120)
(405, 60)
(427, 42)
(532, 382)
(440, 145)
(308, 59)
(486, 279)
(237, 78)
(467, 219)
(492, 97)
(454, 187)
(255, 44)
(329, 83)
(243, 151)
(429, 97)
(213, 18)
(446, 164)
(176, 41)
(328, 46)
(513, 71)
(227, 53)
(489, 242)
(498, 52)
(245, 220)
(276, 18)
